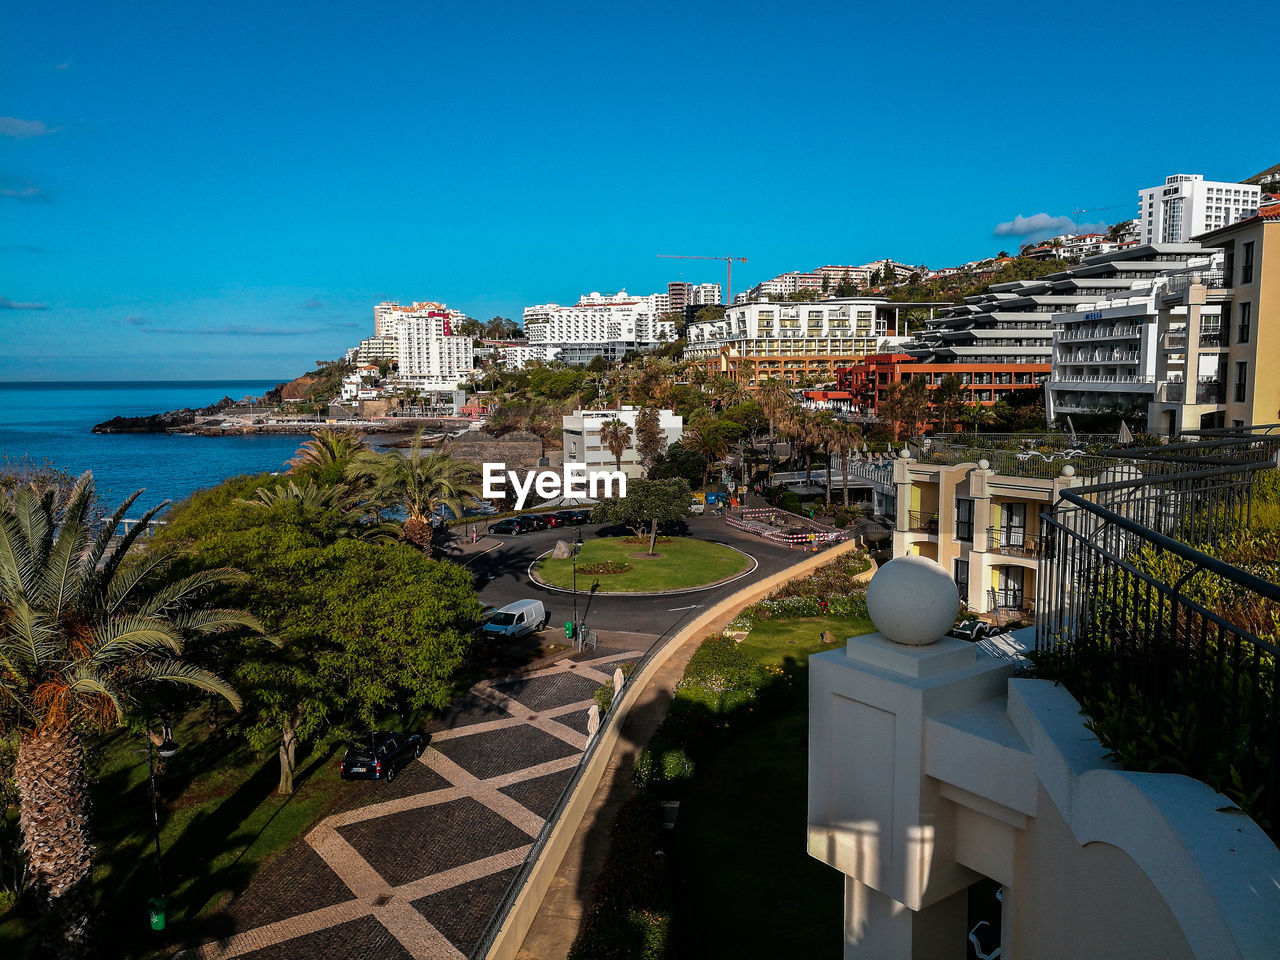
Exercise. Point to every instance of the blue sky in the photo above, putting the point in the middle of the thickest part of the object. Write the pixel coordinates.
(226, 190)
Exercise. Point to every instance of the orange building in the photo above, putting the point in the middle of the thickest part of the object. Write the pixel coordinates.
(860, 387)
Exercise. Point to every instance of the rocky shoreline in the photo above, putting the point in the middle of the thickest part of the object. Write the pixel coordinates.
(175, 421)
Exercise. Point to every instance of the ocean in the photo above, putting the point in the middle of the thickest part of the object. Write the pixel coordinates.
(52, 421)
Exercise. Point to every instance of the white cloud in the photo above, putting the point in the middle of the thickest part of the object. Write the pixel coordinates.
(1042, 226)
(24, 129)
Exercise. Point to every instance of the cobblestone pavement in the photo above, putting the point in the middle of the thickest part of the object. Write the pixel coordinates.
(418, 873)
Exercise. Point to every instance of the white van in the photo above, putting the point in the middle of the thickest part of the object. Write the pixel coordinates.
(517, 619)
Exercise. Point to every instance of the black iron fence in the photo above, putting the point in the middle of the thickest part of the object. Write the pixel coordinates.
(1012, 542)
(921, 522)
(1171, 649)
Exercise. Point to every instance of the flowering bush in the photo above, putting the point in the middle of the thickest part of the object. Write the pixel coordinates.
(605, 567)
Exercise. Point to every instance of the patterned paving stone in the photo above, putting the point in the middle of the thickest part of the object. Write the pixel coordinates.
(540, 794)
(468, 710)
(496, 752)
(554, 690)
(412, 779)
(461, 913)
(416, 843)
(297, 881)
(574, 721)
(363, 939)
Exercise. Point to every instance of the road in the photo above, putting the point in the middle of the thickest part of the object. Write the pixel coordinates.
(504, 577)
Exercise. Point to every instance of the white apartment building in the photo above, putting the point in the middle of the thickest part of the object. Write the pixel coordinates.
(431, 356)
(388, 313)
(706, 294)
(582, 443)
(512, 354)
(373, 349)
(840, 327)
(598, 325)
(1073, 246)
(1187, 205)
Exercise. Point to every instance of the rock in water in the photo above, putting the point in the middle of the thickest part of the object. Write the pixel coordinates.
(161, 422)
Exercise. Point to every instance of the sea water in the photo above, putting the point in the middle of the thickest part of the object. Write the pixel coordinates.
(52, 422)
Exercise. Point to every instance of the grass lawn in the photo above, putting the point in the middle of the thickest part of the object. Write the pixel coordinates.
(684, 562)
(745, 885)
(220, 821)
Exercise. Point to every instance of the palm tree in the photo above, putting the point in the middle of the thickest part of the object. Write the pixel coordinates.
(359, 516)
(328, 446)
(977, 413)
(421, 483)
(849, 436)
(702, 438)
(616, 437)
(82, 632)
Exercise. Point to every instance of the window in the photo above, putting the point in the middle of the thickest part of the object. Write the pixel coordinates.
(1242, 380)
(964, 519)
(1014, 525)
(1245, 319)
(962, 579)
(1246, 265)
(1009, 592)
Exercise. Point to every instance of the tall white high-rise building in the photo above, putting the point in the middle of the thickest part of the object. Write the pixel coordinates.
(1187, 205)
(706, 294)
(388, 313)
(431, 356)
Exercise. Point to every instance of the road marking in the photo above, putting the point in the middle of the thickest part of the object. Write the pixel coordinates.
(676, 609)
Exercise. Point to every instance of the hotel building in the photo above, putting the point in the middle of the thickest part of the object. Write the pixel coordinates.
(431, 356)
(1187, 205)
(794, 341)
(598, 325)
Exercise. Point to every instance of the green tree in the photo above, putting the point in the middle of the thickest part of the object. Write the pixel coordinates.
(889, 276)
(905, 406)
(421, 482)
(705, 438)
(978, 414)
(948, 400)
(647, 503)
(85, 628)
(616, 437)
(328, 447)
(650, 439)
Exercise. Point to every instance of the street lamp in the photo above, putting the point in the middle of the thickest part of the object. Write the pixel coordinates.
(166, 749)
(577, 545)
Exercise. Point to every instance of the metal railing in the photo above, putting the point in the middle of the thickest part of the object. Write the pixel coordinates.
(918, 522)
(1013, 542)
(1179, 283)
(1133, 608)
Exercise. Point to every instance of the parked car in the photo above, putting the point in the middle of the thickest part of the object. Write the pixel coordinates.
(511, 526)
(517, 619)
(380, 755)
(550, 519)
(536, 521)
(572, 518)
(971, 630)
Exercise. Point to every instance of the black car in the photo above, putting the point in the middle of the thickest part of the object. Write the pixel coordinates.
(572, 518)
(379, 756)
(536, 521)
(511, 525)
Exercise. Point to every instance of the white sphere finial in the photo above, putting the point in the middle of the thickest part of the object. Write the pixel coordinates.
(912, 600)
(984, 464)
(905, 454)
(1068, 471)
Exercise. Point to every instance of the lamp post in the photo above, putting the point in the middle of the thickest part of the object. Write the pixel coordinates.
(577, 545)
(166, 749)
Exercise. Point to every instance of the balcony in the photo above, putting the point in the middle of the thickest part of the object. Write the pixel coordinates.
(918, 522)
(1211, 390)
(1175, 340)
(1172, 392)
(1012, 542)
(1212, 340)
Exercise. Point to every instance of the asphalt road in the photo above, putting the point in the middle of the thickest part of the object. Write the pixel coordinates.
(503, 575)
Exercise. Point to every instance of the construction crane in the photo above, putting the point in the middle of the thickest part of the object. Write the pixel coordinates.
(728, 263)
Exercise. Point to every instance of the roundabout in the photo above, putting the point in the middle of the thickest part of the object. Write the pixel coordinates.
(619, 566)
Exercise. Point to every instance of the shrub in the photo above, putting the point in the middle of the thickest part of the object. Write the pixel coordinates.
(661, 766)
(720, 664)
(605, 567)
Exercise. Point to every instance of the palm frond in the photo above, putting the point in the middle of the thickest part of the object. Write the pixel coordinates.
(131, 636)
(139, 573)
(175, 671)
(182, 591)
(217, 621)
(103, 540)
